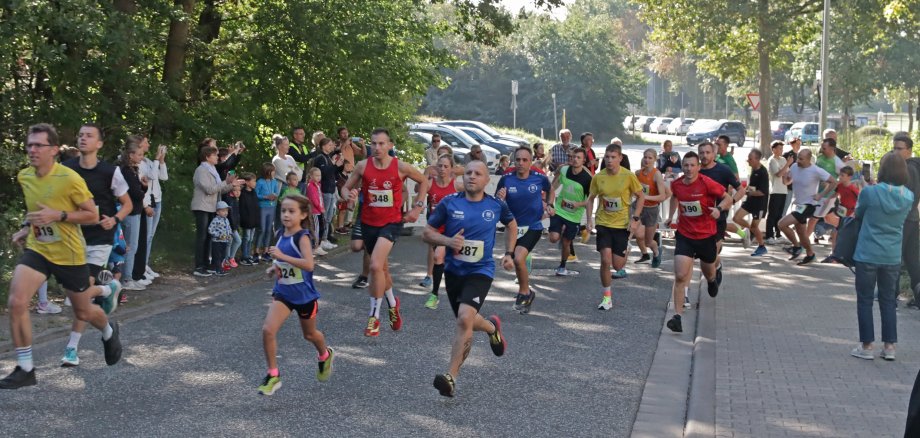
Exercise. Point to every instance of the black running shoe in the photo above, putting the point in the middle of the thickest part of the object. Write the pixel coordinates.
(713, 288)
(644, 259)
(112, 347)
(444, 383)
(18, 378)
(796, 252)
(527, 302)
(808, 259)
(497, 339)
(718, 276)
(518, 302)
(675, 325)
(360, 282)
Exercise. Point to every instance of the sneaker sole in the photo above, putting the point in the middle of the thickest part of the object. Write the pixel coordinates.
(274, 388)
(443, 386)
(70, 364)
(498, 328)
(328, 365)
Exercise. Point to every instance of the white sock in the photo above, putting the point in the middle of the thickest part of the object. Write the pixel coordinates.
(43, 293)
(375, 308)
(391, 300)
(106, 291)
(687, 294)
(24, 358)
(74, 340)
(107, 332)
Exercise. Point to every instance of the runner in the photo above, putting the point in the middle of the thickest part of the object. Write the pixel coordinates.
(778, 166)
(758, 191)
(832, 164)
(723, 175)
(107, 185)
(570, 205)
(441, 185)
(804, 178)
(616, 188)
(382, 178)
(294, 291)
(57, 201)
(524, 191)
(655, 191)
(725, 157)
(471, 217)
(696, 231)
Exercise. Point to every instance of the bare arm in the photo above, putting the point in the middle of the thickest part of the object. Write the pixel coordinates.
(346, 191)
(86, 214)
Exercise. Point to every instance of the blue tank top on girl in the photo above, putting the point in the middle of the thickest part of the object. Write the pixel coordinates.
(293, 284)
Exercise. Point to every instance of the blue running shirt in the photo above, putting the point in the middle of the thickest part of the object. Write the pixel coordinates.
(478, 221)
(293, 284)
(525, 198)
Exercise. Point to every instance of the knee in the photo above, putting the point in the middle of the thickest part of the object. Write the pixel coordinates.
(267, 332)
(83, 313)
(520, 258)
(465, 320)
(376, 266)
(311, 336)
(554, 237)
(18, 303)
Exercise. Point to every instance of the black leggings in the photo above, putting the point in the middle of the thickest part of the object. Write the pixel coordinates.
(774, 213)
(202, 238)
(910, 251)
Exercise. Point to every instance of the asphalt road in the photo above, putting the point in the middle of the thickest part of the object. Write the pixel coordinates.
(570, 370)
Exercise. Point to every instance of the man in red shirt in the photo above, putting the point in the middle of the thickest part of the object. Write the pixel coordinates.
(696, 197)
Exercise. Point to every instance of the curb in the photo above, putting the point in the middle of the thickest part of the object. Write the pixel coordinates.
(701, 403)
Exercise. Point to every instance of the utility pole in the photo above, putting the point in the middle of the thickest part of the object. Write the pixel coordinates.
(514, 93)
(555, 119)
(822, 124)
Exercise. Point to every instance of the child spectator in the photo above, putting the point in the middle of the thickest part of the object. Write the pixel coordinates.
(292, 186)
(267, 189)
(220, 232)
(315, 195)
(233, 200)
(117, 258)
(848, 191)
(249, 217)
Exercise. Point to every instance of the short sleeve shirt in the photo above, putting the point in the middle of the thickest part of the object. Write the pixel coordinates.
(478, 221)
(525, 197)
(614, 194)
(693, 204)
(805, 181)
(61, 189)
(776, 182)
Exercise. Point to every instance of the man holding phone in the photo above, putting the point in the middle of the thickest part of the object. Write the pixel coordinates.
(910, 248)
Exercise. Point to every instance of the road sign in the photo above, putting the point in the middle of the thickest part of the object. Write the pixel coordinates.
(514, 88)
(754, 100)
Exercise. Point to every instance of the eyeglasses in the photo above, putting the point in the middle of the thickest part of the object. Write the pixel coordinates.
(37, 145)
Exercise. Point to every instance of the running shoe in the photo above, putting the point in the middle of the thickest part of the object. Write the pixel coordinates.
(233, 263)
(373, 327)
(529, 262)
(772, 241)
(656, 260)
(444, 383)
(719, 275)
(395, 319)
(202, 273)
(746, 238)
(585, 235)
(518, 302)
(105, 276)
(496, 338)
(319, 251)
(760, 251)
(256, 259)
(270, 385)
(112, 347)
(266, 258)
(341, 230)
(70, 358)
(527, 302)
(675, 325)
(150, 273)
(327, 245)
(426, 282)
(644, 259)
(245, 261)
(432, 302)
(887, 354)
(18, 378)
(133, 285)
(862, 353)
(620, 274)
(144, 282)
(687, 304)
(808, 259)
(220, 273)
(324, 367)
(606, 304)
(48, 308)
(796, 252)
(360, 282)
(572, 258)
(712, 288)
(829, 259)
(562, 272)
(110, 303)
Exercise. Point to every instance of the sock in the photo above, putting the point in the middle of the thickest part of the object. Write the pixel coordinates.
(107, 332)
(607, 291)
(375, 308)
(273, 372)
(43, 293)
(391, 300)
(562, 263)
(686, 294)
(572, 248)
(24, 358)
(324, 356)
(74, 340)
(437, 273)
(106, 291)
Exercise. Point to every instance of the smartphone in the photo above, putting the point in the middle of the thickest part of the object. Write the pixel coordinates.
(161, 149)
(867, 172)
(355, 139)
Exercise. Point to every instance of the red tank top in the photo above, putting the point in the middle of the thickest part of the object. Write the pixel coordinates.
(436, 193)
(381, 195)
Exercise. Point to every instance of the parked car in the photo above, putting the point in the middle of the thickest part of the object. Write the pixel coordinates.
(639, 123)
(777, 129)
(457, 140)
(425, 139)
(700, 132)
(807, 131)
(647, 125)
(660, 125)
(679, 126)
(488, 130)
(504, 147)
(629, 123)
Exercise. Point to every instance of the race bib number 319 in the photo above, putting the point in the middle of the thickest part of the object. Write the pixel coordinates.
(47, 233)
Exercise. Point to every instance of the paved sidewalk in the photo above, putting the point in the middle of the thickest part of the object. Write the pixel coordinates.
(783, 368)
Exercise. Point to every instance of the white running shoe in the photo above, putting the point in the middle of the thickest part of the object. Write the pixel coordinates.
(327, 245)
(606, 304)
(150, 274)
(48, 308)
(319, 251)
(133, 285)
(145, 282)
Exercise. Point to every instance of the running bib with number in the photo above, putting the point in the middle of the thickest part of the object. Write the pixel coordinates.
(568, 205)
(289, 274)
(522, 231)
(800, 209)
(613, 204)
(841, 211)
(645, 189)
(47, 233)
(691, 208)
(471, 251)
(380, 198)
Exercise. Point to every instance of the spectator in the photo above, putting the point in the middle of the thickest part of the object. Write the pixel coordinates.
(910, 248)
(220, 232)
(329, 167)
(232, 199)
(587, 143)
(476, 155)
(153, 171)
(540, 160)
(503, 164)
(882, 208)
(669, 161)
(291, 186)
(347, 146)
(249, 217)
(432, 153)
(559, 153)
(300, 151)
(315, 195)
(284, 163)
(267, 190)
(230, 159)
(208, 187)
(130, 158)
(315, 138)
(624, 163)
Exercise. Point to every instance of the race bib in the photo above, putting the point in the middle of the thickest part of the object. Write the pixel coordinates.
(644, 189)
(47, 233)
(568, 205)
(522, 231)
(800, 209)
(380, 198)
(471, 251)
(691, 208)
(841, 211)
(613, 204)
(288, 274)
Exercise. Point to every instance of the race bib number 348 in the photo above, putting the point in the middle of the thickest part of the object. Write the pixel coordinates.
(380, 198)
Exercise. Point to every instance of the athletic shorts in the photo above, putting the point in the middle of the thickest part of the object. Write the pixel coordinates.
(614, 238)
(370, 234)
(73, 278)
(529, 240)
(466, 289)
(756, 207)
(703, 249)
(649, 216)
(304, 311)
(721, 226)
(801, 213)
(561, 225)
(826, 206)
(341, 206)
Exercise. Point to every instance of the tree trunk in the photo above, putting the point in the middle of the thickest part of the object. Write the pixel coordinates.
(763, 55)
(176, 47)
(201, 73)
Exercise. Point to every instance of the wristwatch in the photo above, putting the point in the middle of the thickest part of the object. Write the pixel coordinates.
(63, 216)
(636, 218)
(419, 204)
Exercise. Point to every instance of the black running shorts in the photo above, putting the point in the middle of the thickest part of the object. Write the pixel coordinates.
(703, 249)
(370, 234)
(304, 311)
(568, 229)
(529, 240)
(466, 289)
(757, 207)
(803, 213)
(616, 239)
(72, 278)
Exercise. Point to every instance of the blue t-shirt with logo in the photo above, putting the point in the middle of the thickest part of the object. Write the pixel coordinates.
(478, 221)
(525, 198)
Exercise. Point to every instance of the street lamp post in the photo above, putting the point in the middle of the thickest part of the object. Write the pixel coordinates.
(824, 73)
(555, 119)
(514, 93)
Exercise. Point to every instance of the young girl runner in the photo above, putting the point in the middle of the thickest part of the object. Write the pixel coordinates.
(294, 291)
(442, 184)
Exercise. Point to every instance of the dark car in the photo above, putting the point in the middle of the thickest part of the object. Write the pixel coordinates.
(710, 130)
(488, 130)
(503, 147)
(646, 124)
(777, 130)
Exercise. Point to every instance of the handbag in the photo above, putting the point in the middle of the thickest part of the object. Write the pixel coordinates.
(847, 235)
